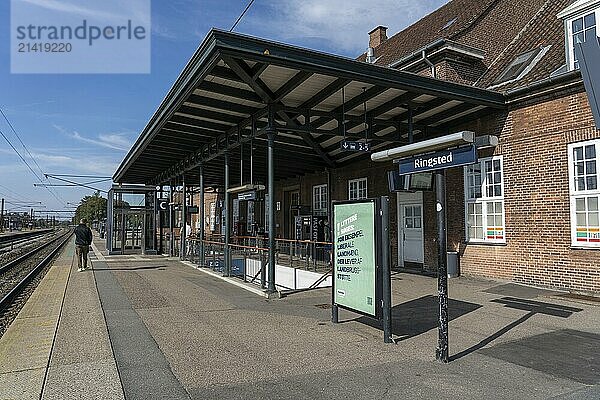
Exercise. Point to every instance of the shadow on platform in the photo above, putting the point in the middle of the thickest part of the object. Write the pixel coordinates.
(419, 316)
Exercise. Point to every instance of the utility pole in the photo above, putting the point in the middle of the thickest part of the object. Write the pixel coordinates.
(2, 216)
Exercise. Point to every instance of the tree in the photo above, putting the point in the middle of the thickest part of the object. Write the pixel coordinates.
(92, 208)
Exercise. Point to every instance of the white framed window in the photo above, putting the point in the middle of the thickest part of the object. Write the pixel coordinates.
(357, 189)
(484, 201)
(580, 29)
(320, 199)
(584, 193)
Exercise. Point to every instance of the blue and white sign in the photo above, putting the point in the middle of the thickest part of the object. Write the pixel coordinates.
(438, 160)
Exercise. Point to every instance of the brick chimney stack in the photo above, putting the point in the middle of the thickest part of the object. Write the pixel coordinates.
(377, 36)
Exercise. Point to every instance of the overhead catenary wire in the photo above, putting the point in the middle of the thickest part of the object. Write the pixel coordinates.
(55, 195)
(237, 21)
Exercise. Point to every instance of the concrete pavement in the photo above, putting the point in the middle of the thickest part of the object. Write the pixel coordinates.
(156, 328)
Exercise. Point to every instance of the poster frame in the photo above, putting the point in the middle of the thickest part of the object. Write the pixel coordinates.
(377, 229)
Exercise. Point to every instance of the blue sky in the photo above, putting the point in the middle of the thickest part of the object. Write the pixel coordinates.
(84, 124)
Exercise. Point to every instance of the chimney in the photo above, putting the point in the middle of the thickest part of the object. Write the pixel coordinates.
(377, 36)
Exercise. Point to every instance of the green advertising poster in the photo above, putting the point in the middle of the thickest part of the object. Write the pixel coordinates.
(355, 257)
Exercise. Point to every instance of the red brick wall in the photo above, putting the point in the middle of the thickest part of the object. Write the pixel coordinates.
(533, 142)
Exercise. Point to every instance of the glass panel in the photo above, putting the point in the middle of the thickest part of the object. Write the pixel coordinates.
(479, 233)
(417, 222)
(417, 211)
(592, 203)
(581, 219)
(498, 220)
(592, 183)
(478, 208)
(472, 233)
(478, 220)
(578, 153)
(593, 219)
(497, 177)
(580, 182)
(590, 34)
(496, 165)
(498, 207)
(408, 223)
(497, 191)
(470, 219)
(580, 204)
(488, 166)
(470, 208)
(590, 152)
(408, 211)
(490, 220)
(590, 167)
(579, 38)
(577, 25)
(589, 20)
(490, 208)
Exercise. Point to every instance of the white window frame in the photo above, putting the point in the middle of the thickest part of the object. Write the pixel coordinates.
(484, 200)
(358, 189)
(569, 34)
(320, 205)
(593, 239)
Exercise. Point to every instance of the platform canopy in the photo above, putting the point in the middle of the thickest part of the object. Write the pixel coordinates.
(236, 87)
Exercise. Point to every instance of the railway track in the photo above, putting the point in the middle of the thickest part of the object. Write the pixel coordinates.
(19, 277)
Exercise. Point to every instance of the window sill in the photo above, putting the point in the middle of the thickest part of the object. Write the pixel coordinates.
(485, 243)
(572, 247)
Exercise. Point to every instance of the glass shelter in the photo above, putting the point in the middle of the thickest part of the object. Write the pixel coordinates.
(131, 220)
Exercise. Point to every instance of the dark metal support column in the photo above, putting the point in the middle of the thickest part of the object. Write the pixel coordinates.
(171, 216)
(385, 265)
(161, 224)
(183, 230)
(410, 124)
(441, 353)
(227, 220)
(271, 184)
(201, 216)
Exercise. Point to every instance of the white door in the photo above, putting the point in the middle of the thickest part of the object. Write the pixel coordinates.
(410, 228)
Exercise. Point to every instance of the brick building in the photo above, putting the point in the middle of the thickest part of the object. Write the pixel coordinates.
(536, 237)
(544, 226)
(526, 212)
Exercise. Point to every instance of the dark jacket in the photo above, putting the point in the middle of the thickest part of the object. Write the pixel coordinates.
(83, 235)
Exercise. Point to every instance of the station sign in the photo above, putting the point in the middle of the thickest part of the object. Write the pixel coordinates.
(439, 160)
(251, 195)
(351, 145)
(357, 277)
(163, 205)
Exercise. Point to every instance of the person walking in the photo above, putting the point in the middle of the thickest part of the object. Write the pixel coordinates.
(83, 240)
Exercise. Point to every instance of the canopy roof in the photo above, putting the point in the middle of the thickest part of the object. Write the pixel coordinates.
(236, 86)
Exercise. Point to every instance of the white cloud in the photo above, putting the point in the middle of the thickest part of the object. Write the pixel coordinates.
(115, 141)
(120, 9)
(344, 24)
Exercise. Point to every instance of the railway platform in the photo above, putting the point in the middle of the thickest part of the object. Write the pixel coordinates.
(150, 327)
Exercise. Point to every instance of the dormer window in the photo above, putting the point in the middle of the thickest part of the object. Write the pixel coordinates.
(582, 29)
(516, 68)
(580, 20)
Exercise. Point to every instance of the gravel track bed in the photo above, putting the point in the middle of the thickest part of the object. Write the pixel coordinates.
(10, 278)
(31, 243)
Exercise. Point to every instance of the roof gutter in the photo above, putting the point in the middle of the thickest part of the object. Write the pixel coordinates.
(439, 46)
(551, 84)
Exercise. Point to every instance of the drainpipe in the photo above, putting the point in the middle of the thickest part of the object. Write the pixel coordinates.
(429, 63)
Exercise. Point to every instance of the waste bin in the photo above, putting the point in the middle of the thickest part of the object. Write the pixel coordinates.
(452, 264)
